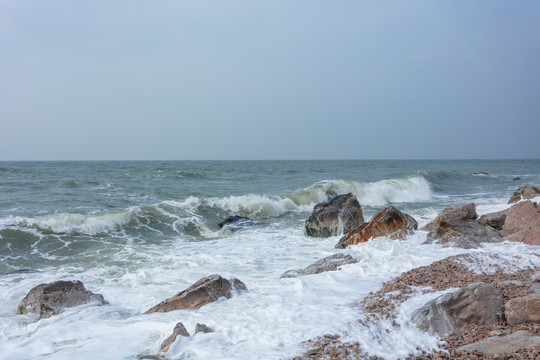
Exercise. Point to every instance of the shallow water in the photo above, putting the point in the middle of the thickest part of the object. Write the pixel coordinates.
(139, 232)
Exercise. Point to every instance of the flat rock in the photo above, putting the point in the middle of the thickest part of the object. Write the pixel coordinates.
(477, 303)
(329, 263)
(524, 193)
(463, 212)
(523, 223)
(388, 222)
(204, 291)
(338, 216)
(507, 345)
(466, 234)
(50, 299)
(525, 309)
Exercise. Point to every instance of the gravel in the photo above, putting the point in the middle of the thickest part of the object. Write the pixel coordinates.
(450, 272)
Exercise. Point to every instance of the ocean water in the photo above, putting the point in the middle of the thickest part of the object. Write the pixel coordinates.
(139, 232)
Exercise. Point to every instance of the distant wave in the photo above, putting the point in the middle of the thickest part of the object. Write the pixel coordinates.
(200, 216)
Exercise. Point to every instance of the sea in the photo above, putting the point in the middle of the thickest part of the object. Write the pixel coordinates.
(138, 232)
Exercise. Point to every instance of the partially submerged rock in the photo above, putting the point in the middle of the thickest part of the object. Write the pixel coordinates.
(238, 221)
(463, 212)
(466, 234)
(340, 215)
(179, 329)
(524, 309)
(523, 223)
(507, 345)
(204, 291)
(388, 222)
(524, 193)
(50, 299)
(202, 328)
(478, 303)
(329, 263)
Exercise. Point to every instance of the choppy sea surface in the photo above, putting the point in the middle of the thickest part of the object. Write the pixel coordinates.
(140, 232)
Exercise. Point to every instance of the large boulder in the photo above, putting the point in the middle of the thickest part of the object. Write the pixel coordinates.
(506, 345)
(388, 222)
(523, 223)
(338, 216)
(466, 234)
(329, 263)
(477, 303)
(495, 219)
(525, 309)
(204, 291)
(50, 299)
(463, 212)
(524, 193)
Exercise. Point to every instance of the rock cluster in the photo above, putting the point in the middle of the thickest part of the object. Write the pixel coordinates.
(524, 193)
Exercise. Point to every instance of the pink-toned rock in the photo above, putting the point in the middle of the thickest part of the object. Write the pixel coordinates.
(388, 222)
(525, 193)
(525, 309)
(523, 223)
(463, 212)
(204, 291)
(338, 216)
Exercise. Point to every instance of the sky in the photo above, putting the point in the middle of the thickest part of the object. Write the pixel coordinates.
(296, 79)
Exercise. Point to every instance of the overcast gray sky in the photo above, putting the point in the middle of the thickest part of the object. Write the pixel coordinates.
(100, 80)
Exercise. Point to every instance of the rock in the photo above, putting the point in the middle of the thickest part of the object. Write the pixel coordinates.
(535, 289)
(202, 328)
(151, 357)
(478, 303)
(463, 212)
(480, 173)
(525, 192)
(523, 223)
(507, 345)
(495, 220)
(204, 291)
(465, 234)
(525, 309)
(329, 263)
(50, 299)
(237, 221)
(388, 222)
(516, 178)
(340, 215)
(179, 329)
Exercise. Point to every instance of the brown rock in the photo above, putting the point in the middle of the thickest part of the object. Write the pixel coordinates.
(495, 220)
(179, 329)
(463, 212)
(465, 234)
(478, 303)
(388, 222)
(204, 291)
(525, 192)
(329, 263)
(50, 299)
(202, 328)
(340, 215)
(523, 223)
(525, 309)
(508, 344)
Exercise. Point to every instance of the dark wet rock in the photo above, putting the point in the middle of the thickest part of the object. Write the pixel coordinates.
(495, 220)
(508, 344)
(463, 212)
(202, 328)
(340, 215)
(329, 263)
(524, 309)
(516, 178)
(388, 222)
(523, 223)
(480, 173)
(465, 234)
(204, 291)
(524, 193)
(151, 357)
(179, 330)
(50, 299)
(237, 221)
(478, 303)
